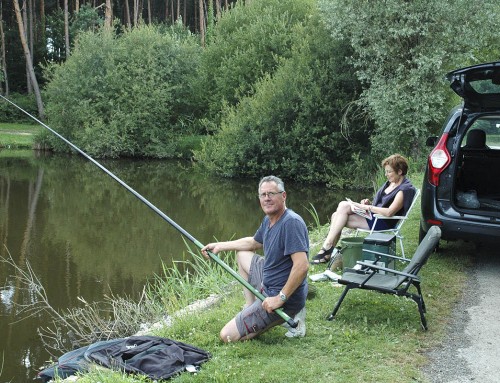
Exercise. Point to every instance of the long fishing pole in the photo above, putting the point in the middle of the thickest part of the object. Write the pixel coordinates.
(213, 256)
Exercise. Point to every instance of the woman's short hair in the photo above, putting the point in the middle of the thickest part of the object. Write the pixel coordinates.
(397, 162)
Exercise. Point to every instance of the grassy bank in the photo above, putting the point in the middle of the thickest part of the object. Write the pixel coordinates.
(18, 136)
(375, 338)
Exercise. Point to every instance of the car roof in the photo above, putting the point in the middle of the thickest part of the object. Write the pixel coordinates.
(478, 85)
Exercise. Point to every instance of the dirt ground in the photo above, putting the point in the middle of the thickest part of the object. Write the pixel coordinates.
(471, 350)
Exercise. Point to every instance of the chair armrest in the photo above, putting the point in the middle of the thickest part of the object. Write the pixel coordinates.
(380, 216)
(354, 271)
(380, 268)
(387, 255)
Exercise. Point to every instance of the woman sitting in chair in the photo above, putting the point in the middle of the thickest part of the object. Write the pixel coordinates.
(393, 198)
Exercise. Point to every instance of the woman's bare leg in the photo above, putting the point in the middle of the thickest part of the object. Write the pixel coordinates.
(343, 217)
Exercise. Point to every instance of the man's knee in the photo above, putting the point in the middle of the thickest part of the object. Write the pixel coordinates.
(229, 332)
(224, 336)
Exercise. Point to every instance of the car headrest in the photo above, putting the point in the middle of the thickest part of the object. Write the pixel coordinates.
(476, 139)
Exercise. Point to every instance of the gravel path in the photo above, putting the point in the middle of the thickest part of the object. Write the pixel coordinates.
(471, 350)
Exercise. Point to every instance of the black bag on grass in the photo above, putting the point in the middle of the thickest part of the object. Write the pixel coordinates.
(67, 365)
(155, 357)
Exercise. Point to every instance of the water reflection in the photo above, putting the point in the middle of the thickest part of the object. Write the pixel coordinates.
(85, 236)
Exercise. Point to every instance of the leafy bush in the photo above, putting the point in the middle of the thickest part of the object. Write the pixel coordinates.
(125, 95)
(245, 45)
(291, 126)
(9, 113)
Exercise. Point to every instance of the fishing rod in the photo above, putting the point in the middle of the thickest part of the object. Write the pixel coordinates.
(213, 256)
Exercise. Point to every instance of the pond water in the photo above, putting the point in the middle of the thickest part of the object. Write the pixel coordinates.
(84, 235)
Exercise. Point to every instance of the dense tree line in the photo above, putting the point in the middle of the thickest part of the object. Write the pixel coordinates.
(312, 90)
(51, 27)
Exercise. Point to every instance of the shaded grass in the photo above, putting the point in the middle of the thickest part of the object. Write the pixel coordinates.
(374, 338)
(18, 136)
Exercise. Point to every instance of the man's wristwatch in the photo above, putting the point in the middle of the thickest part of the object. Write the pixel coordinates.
(283, 297)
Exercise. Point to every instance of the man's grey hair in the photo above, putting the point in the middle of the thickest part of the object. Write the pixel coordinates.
(276, 180)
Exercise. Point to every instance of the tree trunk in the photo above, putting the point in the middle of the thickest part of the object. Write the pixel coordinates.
(66, 27)
(41, 26)
(149, 12)
(136, 12)
(31, 38)
(29, 61)
(218, 9)
(25, 31)
(108, 15)
(4, 61)
(127, 15)
(202, 23)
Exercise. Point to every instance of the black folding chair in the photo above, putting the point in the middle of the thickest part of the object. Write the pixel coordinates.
(395, 282)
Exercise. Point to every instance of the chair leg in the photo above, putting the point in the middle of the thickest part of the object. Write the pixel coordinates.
(417, 285)
(337, 306)
(421, 309)
(422, 315)
(401, 245)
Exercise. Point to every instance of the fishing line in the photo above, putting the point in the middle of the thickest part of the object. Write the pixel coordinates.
(213, 256)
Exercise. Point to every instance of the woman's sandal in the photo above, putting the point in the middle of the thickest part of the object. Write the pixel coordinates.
(323, 257)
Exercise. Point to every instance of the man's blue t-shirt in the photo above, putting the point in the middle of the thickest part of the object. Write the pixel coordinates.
(287, 236)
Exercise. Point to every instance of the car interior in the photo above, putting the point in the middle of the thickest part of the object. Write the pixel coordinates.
(478, 183)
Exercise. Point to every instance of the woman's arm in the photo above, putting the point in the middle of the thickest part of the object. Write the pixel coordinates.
(394, 207)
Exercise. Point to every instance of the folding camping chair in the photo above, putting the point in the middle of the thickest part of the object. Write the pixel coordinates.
(396, 230)
(393, 281)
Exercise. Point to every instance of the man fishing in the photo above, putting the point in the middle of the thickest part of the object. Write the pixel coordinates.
(289, 321)
(280, 274)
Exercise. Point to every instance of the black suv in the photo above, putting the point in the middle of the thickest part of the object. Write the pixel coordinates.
(461, 188)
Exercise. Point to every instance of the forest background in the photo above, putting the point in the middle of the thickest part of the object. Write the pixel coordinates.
(311, 90)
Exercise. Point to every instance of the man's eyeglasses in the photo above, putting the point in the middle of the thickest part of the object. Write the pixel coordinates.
(269, 194)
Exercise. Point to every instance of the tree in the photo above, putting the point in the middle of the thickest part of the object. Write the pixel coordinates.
(3, 76)
(108, 15)
(47, 32)
(66, 27)
(29, 61)
(402, 49)
(202, 22)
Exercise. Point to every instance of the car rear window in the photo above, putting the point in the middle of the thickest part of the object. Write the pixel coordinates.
(491, 126)
(485, 86)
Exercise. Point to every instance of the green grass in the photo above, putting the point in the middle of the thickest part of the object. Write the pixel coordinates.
(374, 338)
(18, 136)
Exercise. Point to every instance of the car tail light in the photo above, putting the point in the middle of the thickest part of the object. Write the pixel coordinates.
(435, 222)
(439, 159)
